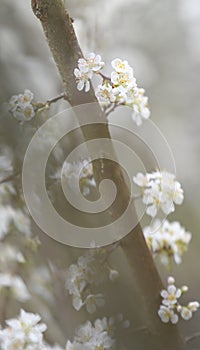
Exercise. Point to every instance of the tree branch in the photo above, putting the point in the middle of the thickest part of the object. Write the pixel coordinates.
(65, 49)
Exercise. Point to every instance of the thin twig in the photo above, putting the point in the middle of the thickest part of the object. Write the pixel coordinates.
(57, 98)
(114, 106)
(192, 337)
(104, 76)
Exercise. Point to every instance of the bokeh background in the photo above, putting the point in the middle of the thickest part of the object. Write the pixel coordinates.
(160, 39)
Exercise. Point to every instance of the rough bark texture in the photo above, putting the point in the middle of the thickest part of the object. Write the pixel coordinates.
(66, 51)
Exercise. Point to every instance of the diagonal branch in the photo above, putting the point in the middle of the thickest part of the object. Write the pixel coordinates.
(66, 51)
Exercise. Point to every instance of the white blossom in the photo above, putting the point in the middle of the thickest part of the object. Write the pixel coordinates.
(86, 67)
(99, 335)
(120, 66)
(23, 333)
(167, 240)
(78, 276)
(122, 79)
(118, 89)
(167, 315)
(187, 311)
(171, 306)
(160, 190)
(105, 94)
(83, 79)
(21, 106)
(171, 295)
(82, 277)
(91, 62)
(140, 107)
(193, 306)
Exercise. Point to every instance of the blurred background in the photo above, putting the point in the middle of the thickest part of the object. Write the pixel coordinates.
(161, 40)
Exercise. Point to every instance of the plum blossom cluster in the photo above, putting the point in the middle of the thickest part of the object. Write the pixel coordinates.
(160, 190)
(22, 107)
(82, 277)
(99, 335)
(24, 332)
(168, 240)
(118, 89)
(171, 308)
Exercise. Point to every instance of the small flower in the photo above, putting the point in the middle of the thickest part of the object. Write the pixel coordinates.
(184, 289)
(141, 180)
(90, 62)
(194, 306)
(77, 301)
(24, 113)
(170, 295)
(123, 79)
(120, 66)
(21, 106)
(97, 336)
(171, 280)
(82, 79)
(186, 313)
(86, 67)
(105, 94)
(167, 315)
(27, 97)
